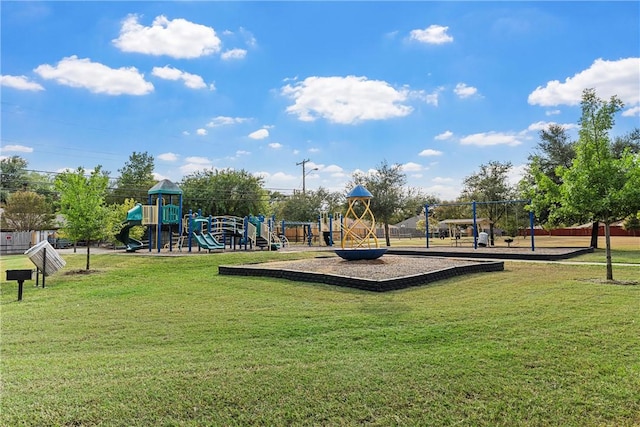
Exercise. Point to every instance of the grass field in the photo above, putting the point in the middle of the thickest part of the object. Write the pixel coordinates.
(147, 340)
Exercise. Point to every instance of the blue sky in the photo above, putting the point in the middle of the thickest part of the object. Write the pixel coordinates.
(439, 87)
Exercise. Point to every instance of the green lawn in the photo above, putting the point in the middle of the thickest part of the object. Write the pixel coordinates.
(150, 340)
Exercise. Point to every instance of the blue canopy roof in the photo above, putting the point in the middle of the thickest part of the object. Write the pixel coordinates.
(359, 192)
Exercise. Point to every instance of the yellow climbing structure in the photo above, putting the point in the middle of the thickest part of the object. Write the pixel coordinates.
(360, 224)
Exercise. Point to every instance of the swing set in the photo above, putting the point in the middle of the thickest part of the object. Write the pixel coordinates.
(512, 228)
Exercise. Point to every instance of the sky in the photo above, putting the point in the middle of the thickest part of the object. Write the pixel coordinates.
(437, 87)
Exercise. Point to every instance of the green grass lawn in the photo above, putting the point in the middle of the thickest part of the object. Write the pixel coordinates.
(149, 340)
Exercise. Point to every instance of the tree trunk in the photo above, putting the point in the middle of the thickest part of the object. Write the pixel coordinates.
(88, 254)
(607, 243)
(386, 234)
(594, 234)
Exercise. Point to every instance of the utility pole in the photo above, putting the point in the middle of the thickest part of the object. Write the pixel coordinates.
(304, 175)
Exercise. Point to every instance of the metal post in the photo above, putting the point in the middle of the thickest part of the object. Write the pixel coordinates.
(475, 224)
(426, 222)
(533, 245)
(330, 229)
(44, 263)
(190, 228)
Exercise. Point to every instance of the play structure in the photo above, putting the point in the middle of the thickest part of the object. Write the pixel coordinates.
(483, 239)
(359, 240)
(157, 216)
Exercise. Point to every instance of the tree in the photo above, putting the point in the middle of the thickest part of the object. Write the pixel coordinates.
(82, 202)
(630, 141)
(225, 192)
(13, 176)
(386, 186)
(307, 206)
(488, 185)
(27, 211)
(599, 184)
(136, 178)
(117, 213)
(555, 150)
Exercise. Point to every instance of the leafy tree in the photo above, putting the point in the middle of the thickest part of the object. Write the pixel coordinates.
(489, 184)
(27, 211)
(13, 176)
(386, 185)
(307, 206)
(599, 184)
(225, 192)
(115, 219)
(630, 141)
(632, 223)
(82, 202)
(136, 178)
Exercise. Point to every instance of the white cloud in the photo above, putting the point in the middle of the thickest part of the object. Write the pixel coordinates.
(442, 180)
(278, 180)
(198, 160)
(168, 157)
(464, 91)
(194, 164)
(434, 34)
(192, 81)
(429, 152)
(333, 169)
(158, 177)
(248, 36)
(411, 167)
(186, 133)
(225, 121)
(176, 38)
(275, 145)
(428, 98)
(96, 77)
(345, 100)
(516, 173)
(242, 153)
(632, 112)
(621, 78)
(552, 112)
(16, 149)
(444, 135)
(20, 83)
(259, 134)
(541, 125)
(233, 54)
(491, 138)
(313, 150)
(201, 132)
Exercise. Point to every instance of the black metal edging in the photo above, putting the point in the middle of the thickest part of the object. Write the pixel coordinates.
(493, 255)
(363, 284)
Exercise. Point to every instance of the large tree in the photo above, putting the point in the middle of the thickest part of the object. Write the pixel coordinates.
(489, 184)
(386, 185)
(82, 202)
(599, 184)
(27, 211)
(224, 192)
(13, 176)
(135, 180)
(307, 206)
(554, 150)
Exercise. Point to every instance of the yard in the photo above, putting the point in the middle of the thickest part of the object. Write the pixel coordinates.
(147, 340)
